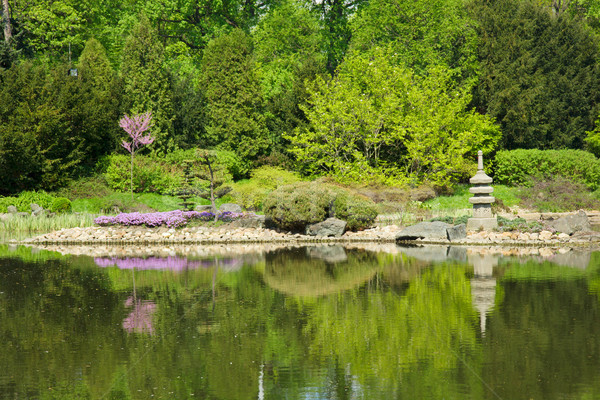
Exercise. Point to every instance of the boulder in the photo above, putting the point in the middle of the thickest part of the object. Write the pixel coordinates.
(457, 232)
(230, 207)
(203, 208)
(436, 230)
(330, 254)
(329, 227)
(12, 209)
(570, 224)
(250, 221)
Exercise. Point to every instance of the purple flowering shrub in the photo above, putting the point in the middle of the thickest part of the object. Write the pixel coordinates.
(171, 219)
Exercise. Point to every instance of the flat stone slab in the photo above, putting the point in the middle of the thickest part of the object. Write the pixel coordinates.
(570, 224)
(436, 231)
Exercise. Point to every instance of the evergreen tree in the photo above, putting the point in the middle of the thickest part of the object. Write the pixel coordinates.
(289, 49)
(539, 74)
(234, 112)
(146, 83)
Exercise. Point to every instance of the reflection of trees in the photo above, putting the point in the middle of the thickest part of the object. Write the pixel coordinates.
(542, 341)
(293, 273)
(391, 340)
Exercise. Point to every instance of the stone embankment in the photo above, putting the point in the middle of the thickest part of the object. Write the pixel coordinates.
(229, 234)
(221, 234)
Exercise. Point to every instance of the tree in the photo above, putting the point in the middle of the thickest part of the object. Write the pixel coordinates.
(6, 24)
(377, 121)
(289, 49)
(146, 83)
(421, 32)
(234, 110)
(539, 74)
(135, 126)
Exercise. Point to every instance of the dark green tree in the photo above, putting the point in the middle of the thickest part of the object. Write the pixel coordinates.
(234, 111)
(539, 74)
(289, 49)
(146, 83)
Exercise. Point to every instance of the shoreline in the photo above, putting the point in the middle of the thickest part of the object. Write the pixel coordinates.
(226, 234)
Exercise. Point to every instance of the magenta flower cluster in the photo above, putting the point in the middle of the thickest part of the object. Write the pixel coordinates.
(172, 219)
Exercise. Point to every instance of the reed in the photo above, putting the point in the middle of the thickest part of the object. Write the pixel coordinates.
(44, 224)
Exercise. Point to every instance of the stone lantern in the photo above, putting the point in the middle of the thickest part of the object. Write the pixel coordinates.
(483, 219)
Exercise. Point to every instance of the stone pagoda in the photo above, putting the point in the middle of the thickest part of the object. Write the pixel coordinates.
(483, 219)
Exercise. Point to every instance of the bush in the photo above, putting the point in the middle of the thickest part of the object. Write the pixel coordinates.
(558, 195)
(518, 167)
(40, 198)
(251, 194)
(61, 205)
(359, 212)
(7, 201)
(293, 207)
(149, 174)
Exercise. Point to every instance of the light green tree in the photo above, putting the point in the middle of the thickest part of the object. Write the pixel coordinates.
(376, 120)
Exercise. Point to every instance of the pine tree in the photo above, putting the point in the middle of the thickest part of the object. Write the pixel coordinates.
(146, 83)
(232, 90)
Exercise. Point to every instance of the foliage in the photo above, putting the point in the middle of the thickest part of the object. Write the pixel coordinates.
(518, 224)
(539, 74)
(61, 205)
(289, 49)
(558, 194)
(517, 167)
(295, 206)
(231, 87)
(423, 33)
(376, 121)
(146, 83)
(149, 174)
(251, 193)
(45, 224)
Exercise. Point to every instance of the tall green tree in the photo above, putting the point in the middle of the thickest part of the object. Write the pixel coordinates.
(378, 121)
(146, 83)
(289, 49)
(539, 74)
(421, 32)
(234, 102)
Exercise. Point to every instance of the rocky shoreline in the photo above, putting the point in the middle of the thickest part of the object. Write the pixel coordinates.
(230, 234)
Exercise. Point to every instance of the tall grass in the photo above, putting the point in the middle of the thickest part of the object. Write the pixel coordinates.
(42, 224)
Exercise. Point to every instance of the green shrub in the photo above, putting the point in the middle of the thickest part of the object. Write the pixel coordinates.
(359, 212)
(85, 188)
(149, 174)
(7, 201)
(295, 206)
(558, 195)
(40, 198)
(518, 167)
(251, 193)
(231, 161)
(61, 205)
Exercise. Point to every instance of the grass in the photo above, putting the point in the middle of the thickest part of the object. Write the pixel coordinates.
(460, 199)
(44, 224)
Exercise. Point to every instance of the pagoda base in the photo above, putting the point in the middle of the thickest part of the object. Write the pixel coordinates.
(482, 224)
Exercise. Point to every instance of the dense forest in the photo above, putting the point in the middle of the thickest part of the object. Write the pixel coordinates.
(387, 91)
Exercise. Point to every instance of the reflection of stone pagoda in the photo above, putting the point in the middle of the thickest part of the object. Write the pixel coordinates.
(482, 201)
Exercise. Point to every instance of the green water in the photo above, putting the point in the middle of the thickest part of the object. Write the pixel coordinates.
(300, 323)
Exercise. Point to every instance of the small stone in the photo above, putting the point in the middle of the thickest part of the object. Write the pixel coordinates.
(563, 236)
(545, 235)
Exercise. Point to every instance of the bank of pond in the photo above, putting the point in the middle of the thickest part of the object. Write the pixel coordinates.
(370, 321)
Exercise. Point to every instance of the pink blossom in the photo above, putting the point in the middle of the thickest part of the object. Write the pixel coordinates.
(135, 126)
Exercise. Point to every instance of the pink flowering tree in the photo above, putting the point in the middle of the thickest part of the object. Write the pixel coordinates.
(135, 126)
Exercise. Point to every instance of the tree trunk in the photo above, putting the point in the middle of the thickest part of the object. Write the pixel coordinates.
(6, 21)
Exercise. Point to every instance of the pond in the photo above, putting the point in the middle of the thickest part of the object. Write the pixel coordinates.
(319, 322)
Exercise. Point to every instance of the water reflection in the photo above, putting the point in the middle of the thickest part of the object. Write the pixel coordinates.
(324, 322)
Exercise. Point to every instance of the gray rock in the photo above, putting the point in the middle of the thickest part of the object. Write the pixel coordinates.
(329, 227)
(230, 207)
(436, 230)
(22, 214)
(203, 208)
(253, 221)
(570, 224)
(12, 209)
(457, 232)
(330, 254)
(35, 207)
